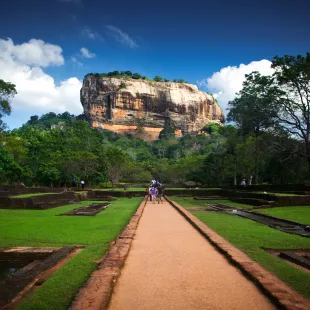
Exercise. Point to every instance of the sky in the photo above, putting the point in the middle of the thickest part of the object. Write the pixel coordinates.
(47, 47)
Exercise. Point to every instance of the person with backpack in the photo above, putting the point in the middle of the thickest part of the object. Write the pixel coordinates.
(159, 195)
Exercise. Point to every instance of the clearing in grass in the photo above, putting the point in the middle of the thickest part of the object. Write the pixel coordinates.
(42, 228)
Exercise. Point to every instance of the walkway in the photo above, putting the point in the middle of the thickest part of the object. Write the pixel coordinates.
(171, 266)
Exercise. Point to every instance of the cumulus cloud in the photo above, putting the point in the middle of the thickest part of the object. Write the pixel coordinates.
(225, 83)
(32, 53)
(36, 90)
(122, 37)
(86, 53)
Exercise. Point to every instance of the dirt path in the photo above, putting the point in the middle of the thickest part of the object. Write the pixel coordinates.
(171, 266)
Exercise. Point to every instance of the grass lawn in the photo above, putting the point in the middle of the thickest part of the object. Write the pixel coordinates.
(285, 194)
(189, 202)
(138, 189)
(251, 237)
(43, 228)
(200, 188)
(299, 214)
(32, 195)
(144, 188)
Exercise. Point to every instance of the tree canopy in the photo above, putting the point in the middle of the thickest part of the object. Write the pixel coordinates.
(7, 91)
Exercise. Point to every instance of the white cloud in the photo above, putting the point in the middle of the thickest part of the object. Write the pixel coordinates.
(86, 53)
(122, 36)
(35, 52)
(91, 34)
(36, 90)
(225, 83)
(76, 61)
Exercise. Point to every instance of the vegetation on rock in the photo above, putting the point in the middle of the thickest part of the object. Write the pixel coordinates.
(137, 76)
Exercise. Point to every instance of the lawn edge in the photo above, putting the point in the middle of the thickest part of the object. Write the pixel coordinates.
(275, 289)
(96, 292)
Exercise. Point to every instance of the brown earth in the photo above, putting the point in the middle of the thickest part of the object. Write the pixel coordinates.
(171, 266)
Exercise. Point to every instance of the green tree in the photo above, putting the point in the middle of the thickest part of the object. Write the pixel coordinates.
(10, 171)
(116, 164)
(158, 78)
(136, 76)
(7, 91)
(292, 82)
(128, 73)
(253, 109)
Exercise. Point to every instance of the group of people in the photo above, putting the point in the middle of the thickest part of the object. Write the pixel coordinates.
(74, 183)
(156, 191)
(244, 183)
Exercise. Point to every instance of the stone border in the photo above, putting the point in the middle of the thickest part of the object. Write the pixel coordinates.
(97, 291)
(42, 262)
(279, 292)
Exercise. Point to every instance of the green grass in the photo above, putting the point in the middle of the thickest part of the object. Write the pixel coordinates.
(32, 195)
(43, 228)
(189, 189)
(300, 214)
(189, 202)
(138, 189)
(251, 237)
(144, 188)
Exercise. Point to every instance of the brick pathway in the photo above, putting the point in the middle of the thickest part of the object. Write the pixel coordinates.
(171, 266)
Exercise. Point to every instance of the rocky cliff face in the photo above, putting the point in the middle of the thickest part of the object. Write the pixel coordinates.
(124, 106)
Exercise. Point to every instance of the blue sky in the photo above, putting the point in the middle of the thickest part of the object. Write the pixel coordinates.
(203, 42)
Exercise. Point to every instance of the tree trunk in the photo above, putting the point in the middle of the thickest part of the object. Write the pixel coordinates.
(308, 158)
(256, 160)
(235, 174)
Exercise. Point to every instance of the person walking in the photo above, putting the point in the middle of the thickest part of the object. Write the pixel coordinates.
(243, 183)
(73, 182)
(153, 194)
(82, 184)
(150, 193)
(159, 195)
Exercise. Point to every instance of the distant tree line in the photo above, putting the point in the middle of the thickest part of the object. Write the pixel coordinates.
(136, 76)
(269, 141)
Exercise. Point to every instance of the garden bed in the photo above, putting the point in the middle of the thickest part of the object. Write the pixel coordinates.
(298, 258)
(90, 210)
(38, 202)
(23, 268)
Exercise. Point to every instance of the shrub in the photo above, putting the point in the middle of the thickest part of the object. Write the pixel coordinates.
(122, 85)
(158, 78)
(136, 76)
(128, 73)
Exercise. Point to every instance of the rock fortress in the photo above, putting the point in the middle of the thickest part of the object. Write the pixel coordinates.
(146, 107)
